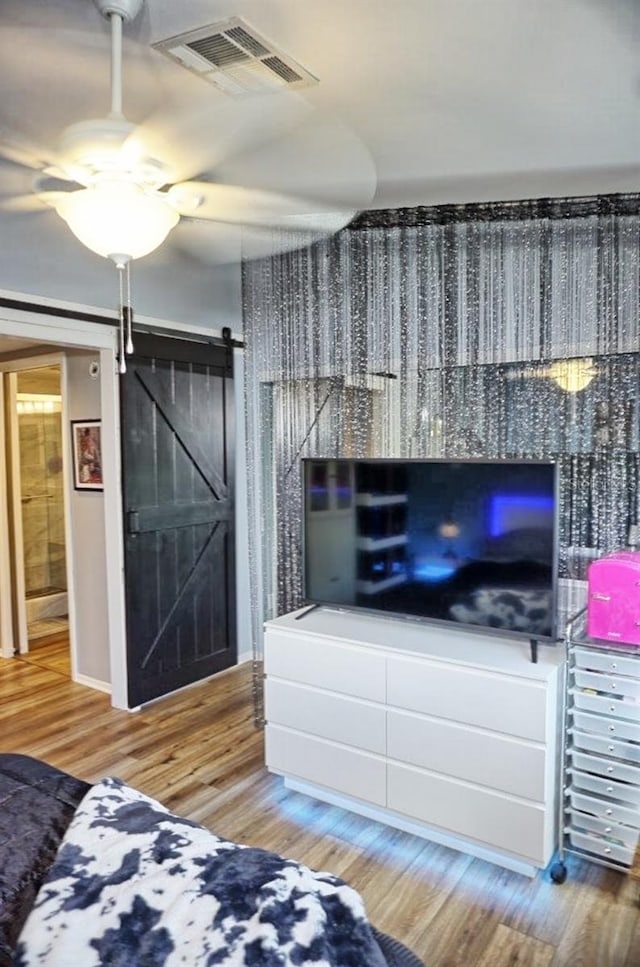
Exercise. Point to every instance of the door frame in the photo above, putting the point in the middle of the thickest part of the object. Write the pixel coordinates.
(14, 489)
(11, 369)
(6, 609)
(56, 332)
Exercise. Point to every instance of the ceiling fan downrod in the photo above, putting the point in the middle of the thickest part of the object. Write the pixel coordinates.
(117, 12)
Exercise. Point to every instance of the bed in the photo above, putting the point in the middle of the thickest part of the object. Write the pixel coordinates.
(101, 874)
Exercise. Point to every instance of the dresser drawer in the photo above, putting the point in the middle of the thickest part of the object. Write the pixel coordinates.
(616, 812)
(315, 661)
(608, 768)
(337, 767)
(486, 817)
(489, 701)
(594, 824)
(607, 788)
(611, 684)
(601, 847)
(486, 758)
(629, 751)
(329, 716)
(618, 707)
(612, 664)
(603, 725)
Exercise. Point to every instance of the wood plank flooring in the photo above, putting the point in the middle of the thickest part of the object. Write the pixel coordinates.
(200, 753)
(50, 651)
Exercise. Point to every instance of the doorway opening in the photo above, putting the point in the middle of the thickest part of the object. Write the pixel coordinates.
(31, 337)
(42, 505)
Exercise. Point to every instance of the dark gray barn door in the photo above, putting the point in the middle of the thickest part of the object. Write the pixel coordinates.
(178, 432)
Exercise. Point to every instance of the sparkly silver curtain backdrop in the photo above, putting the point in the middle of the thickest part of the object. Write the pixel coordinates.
(439, 333)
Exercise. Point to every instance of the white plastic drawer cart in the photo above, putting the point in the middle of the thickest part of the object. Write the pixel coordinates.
(599, 810)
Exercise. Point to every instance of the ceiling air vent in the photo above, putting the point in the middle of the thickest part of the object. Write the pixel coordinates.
(235, 58)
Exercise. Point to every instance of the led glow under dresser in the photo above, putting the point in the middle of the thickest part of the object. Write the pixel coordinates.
(449, 734)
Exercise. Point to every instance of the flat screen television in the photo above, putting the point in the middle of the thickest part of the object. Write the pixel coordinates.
(470, 542)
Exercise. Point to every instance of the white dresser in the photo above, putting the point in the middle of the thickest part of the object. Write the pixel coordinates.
(446, 733)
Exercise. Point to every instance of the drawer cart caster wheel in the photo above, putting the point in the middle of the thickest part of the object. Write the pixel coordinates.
(558, 873)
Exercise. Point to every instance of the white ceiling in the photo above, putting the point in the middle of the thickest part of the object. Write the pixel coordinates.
(440, 100)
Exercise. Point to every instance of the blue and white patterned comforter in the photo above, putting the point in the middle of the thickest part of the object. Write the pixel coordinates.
(132, 884)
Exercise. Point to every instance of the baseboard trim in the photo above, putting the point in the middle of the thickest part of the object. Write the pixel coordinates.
(93, 683)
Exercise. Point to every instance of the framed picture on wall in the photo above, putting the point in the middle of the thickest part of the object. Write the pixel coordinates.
(87, 454)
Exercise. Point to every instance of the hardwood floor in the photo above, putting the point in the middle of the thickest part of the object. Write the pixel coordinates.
(200, 754)
(50, 651)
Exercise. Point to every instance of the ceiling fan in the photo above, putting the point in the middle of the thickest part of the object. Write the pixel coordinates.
(120, 191)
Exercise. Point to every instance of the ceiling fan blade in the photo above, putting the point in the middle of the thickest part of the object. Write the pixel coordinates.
(31, 203)
(253, 206)
(210, 243)
(23, 191)
(19, 151)
(277, 141)
(22, 203)
(219, 243)
(199, 128)
(321, 159)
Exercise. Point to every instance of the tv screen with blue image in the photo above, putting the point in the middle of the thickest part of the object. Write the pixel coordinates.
(471, 542)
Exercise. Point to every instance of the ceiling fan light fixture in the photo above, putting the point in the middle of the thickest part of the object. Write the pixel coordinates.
(118, 219)
(96, 143)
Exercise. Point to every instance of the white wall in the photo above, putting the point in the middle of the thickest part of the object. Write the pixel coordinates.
(87, 527)
(164, 286)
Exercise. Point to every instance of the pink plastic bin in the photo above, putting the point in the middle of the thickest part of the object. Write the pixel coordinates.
(613, 607)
